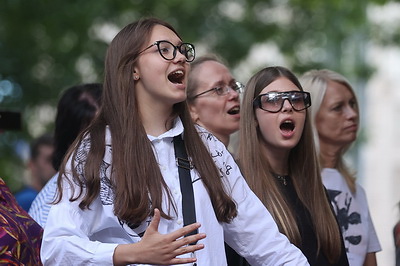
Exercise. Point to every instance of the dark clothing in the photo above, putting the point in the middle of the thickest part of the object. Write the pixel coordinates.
(304, 222)
(233, 258)
(20, 235)
(396, 235)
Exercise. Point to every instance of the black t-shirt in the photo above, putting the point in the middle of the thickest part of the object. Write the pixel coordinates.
(307, 233)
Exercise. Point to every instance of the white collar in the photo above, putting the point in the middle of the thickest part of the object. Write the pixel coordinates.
(176, 130)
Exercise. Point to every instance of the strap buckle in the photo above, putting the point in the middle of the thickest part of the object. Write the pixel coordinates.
(184, 163)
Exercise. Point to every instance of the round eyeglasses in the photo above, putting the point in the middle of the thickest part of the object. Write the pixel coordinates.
(224, 90)
(273, 101)
(168, 51)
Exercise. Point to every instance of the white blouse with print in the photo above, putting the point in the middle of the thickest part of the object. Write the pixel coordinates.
(88, 237)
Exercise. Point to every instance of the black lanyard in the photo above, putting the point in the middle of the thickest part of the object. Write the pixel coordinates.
(184, 166)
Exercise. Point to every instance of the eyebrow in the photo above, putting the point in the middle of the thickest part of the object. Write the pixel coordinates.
(219, 83)
(222, 83)
(179, 42)
(160, 40)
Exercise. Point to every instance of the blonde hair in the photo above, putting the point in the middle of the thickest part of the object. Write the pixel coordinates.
(316, 82)
(303, 169)
(193, 79)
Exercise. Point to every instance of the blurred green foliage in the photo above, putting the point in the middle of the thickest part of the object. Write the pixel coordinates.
(47, 46)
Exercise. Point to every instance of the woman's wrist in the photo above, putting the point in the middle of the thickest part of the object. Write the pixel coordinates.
(126, 254)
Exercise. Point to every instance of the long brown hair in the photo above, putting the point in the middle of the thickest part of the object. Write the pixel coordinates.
(136, 177)
(303, 169)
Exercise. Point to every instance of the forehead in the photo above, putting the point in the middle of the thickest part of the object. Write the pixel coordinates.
(281, 84)
(336, 90)
(160, 32)
(211, 72)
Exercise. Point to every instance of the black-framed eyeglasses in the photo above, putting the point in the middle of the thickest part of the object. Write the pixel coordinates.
(224, 90)
(273, 101)
(168, 51)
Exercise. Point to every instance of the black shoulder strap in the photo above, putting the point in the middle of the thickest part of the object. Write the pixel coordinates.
(184, 166)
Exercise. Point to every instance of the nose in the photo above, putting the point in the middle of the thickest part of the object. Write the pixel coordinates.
(233, 94)
(286, 105)
(351, 113)
(180, 57)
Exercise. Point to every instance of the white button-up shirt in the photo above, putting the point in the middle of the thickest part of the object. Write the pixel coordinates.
(88, 237)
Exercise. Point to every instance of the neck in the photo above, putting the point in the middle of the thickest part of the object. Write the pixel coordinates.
(156, 119)
(329, 155)
(277, 159)
(223, 138)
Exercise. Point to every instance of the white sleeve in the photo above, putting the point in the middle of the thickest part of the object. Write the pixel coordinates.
(70, 232)
(41, 205)
(373, 241)
(66, 237)
(253, 233)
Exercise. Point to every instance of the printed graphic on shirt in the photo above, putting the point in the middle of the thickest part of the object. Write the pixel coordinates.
(20, 235)
(225, 168)
(347, 216)
(106, 190)
(209, 136)
(136, 231)
(80, 158)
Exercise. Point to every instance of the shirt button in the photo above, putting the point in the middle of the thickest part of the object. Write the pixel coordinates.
(179, 221)
(175, 191)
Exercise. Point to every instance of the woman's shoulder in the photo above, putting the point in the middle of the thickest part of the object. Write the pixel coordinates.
(204, 133)
(219, 153)
(333, 179)
(360, 192)
(86, 143)
(209, 139)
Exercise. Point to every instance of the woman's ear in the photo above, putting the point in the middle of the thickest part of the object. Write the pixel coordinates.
(193, 113)
(135, 75)
(256, 122)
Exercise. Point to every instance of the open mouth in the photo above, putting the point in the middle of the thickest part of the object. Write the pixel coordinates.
(287, 126)
(176, 77)
(234, 111)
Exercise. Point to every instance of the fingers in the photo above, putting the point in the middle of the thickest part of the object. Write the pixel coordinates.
(189, 239)
(188, 249)
(155, 221)
(183, 261)
(184, 230)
